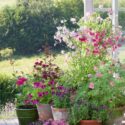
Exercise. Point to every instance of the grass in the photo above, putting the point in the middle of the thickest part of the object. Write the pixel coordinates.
(4, 3)
(26, 64)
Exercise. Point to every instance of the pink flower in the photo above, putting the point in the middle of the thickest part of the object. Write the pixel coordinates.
(52, 82)
(40, 94)
(95, 51)
(34, 102)
(21, 81)
(37, 84)
(30, 96)
(83, 39)
(26, 102)
(99, 75)
(91, 85)
(95, 68)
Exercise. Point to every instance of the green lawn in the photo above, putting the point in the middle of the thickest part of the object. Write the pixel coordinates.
(4, 3)
(26, 63)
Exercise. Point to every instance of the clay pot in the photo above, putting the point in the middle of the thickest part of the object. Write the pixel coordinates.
(60, 113)
(44, 111)
(90, 122)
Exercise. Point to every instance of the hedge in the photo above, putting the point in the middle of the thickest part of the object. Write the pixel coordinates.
(26, 28)
(7, 89)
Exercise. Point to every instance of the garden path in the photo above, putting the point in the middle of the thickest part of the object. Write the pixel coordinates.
(9, 122)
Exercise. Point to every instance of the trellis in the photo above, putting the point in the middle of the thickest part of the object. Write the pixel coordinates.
(89, 8)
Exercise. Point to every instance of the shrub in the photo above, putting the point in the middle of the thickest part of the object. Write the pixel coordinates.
(28, 28)
(7, 89)
(6, 53)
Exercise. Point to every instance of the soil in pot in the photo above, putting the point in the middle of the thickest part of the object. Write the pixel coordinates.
(60, 113)
(90, 122)
(44, 111)
(27, 114)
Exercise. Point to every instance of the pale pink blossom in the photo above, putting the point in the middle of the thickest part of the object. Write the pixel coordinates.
(99, 75)
(91, 85)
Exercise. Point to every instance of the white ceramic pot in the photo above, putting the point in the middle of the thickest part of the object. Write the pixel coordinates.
(60, 113)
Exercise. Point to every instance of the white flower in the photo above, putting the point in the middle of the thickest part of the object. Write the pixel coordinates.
(73, 20)
(62, 52)
(59, 28)
(100, 6)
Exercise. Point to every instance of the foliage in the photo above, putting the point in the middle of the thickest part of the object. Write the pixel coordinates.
(46, 75)
(39, 86)
(34, 24)
(7, 89)
(97, 98)
(90, 43)
(6, 53)
(61, 98)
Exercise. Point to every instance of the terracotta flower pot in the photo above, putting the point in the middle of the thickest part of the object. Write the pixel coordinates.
(44, 111)
(60, 113)
(90, 122)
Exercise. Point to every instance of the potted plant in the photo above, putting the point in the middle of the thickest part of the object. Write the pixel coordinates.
(45, 78)
(26, 109)
(61, 103)
(95, 101)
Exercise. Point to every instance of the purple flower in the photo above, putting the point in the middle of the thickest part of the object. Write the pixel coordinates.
(30, 96)
(37, 84)
(43, 86)
(26, 102)
(60, 87)
(44, 65)
(40, 94)
(45, 75)
(46, 93)
(21, 81)
(52, 82)
(34, 102)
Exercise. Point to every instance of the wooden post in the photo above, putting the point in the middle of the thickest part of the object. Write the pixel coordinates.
(88, 7)
(115, 13)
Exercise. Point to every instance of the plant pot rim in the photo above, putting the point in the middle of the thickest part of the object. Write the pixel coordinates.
(42, 104)
(91, 121)
(59, 109)
(20, 107)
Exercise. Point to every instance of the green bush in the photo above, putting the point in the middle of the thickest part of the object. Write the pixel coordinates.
(28, 27)
(6, 53)
(7, 89)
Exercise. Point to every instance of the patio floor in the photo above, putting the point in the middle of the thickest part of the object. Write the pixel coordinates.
(9, 122)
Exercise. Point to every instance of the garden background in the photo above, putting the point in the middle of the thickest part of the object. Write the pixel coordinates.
(25, 29)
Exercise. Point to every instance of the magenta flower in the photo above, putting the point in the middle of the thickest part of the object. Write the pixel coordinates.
(91, 85)
(52, 82)
(34, 102)
(83, 39)
(26, 102)
(30, 96)
(21, 81)
(37, 84)
(40, 94)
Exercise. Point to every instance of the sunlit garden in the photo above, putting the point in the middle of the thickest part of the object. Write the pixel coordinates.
(62, 62)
